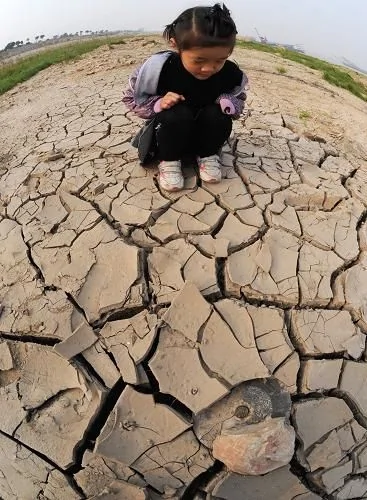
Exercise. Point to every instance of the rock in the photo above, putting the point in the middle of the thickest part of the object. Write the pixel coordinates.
(259, 449)
(135, 425)
(249, 403)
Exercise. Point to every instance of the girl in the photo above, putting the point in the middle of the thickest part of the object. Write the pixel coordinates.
(189, 95)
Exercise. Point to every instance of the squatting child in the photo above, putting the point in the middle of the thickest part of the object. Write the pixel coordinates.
(189, 95)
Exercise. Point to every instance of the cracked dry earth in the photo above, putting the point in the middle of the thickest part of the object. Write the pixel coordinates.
(177, 346)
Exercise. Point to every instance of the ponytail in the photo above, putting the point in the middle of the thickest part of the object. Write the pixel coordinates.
(221, 23)
(203, 27)
(169, 31)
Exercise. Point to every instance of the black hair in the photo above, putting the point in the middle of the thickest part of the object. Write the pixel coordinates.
(203, 27)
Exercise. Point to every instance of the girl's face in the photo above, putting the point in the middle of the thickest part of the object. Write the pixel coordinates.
(204, 62)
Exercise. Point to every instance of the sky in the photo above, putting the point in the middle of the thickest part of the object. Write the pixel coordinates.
(330, 28)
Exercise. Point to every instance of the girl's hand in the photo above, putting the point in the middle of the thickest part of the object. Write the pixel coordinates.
(171, 99)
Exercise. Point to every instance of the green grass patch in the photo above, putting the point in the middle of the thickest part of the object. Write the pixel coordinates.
(13, 73)
(335, 75)
(281, 70)
(304, 115)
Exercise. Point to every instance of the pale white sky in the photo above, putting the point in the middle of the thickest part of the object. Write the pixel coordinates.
(326, 27)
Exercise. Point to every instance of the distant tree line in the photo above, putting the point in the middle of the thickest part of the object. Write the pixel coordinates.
(40, 38)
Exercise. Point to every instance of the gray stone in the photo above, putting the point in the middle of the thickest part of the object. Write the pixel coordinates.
(258, 449)
(249, 403)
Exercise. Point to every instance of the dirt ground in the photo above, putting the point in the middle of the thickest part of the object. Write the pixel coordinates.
(157, 345)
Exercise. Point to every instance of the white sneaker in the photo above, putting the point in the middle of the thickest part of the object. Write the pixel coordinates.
(170, 176)
(210, 169)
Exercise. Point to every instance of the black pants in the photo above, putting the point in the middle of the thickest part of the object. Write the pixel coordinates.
(183, 131)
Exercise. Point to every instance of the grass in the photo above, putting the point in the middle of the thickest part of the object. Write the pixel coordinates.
(304, 115)
(335, 75)
(13, 73)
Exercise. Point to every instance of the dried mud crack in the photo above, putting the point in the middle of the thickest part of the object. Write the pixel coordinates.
(153, 345)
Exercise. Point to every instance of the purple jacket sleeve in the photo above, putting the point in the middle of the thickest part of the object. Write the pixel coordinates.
(233, 103)
(146, 110)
